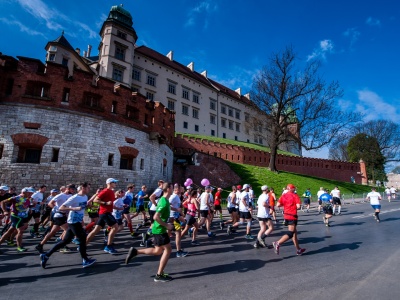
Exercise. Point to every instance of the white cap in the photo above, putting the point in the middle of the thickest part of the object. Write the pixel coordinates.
(264, 188)
(246, 186)
(4, 188)
(188, 187)
(111, 180)
(28, 190)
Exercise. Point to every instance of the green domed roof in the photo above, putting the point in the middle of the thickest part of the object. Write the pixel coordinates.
(120, 14)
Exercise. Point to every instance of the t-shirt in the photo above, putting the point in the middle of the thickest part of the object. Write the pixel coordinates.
(217, 198)
(229, 200)
(58, 201)
(374, 198)
(119, 203)
(307, 194)
(76, 201)
(164, 209)
(246, 197)
(106, 195)
(325, 198)
(128, 199)
(392, 190)
(319, 193)
(158, 193)
(263, 212)
(387, 191)
(140, 201)
(37, 198)
(203, 201)
(335, 193)
(271, 197)
(175, 202)
(289, 202)
(20, 206)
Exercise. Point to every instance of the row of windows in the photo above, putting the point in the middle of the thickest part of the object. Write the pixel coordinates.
(231, 125)
(230, 111)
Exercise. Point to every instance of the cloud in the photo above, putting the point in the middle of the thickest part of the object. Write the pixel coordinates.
(373, 22)
(22, 27)
(204, 9)
(238, 77)
(324, 47)
(353, 34)
(374, 107)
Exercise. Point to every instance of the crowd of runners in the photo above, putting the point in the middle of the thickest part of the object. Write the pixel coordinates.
(172, 211)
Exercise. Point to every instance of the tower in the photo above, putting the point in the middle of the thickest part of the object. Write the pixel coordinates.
(117, 45)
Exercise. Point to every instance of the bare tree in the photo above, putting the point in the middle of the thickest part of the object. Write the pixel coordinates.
(298, 105)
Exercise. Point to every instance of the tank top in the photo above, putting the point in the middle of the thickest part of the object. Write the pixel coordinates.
(191, 209)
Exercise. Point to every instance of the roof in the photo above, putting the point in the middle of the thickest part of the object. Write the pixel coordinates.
(63, 41)
(150, 53)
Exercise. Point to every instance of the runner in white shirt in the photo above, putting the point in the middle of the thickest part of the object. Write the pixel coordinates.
(264, 217)
(175, 218)
(36, 202)
(374, 198)
(387, 192)
(118, 207)
(205, 210)
(244, 213)
(319, 193)
(393, 192)
(335, 193)
(231, 207)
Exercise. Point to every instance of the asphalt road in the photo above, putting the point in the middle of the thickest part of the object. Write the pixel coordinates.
(356, 258)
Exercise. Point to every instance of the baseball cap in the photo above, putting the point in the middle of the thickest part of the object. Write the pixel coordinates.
(219, 189)
(54, 191)
(290, 187)
(246, 186)
(28, 190)
(264, 188)
(71, 186)
(188, 187)
(239, 187)
(208, 187)
(4, 188)
(111, 180)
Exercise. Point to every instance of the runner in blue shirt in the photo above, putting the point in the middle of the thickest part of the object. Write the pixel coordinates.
(326, 203)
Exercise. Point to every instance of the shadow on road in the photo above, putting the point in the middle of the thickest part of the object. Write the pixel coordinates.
(335, 247)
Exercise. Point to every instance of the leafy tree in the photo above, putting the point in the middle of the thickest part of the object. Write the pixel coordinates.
(365, 147)
(298, 105)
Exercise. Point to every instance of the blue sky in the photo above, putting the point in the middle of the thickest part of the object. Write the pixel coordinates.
(357, 41)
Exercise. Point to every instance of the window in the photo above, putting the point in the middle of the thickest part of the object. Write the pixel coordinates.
(114, 107)
(246, 117)
(54, 156)
(223, 123)
(146, 119)
(118, 74)
(172, 88)
(238, 127)
(185, 94)
(121, 34)
(185, 125)
(171, 105)
(110, 161)
(136, 74)
(141, 164)
(132, 113)
(236, 138)
(223, 109)
(195, 113)
(195, 98)
(151, 80)
(65, 97)
(231, 125)
(9, 86)
(212, 132)
(52, 57)
(91, 100)
(119, 52)
(224, 135)
(126, 162)
(212, 119)
(37, 89)
(237, 114)
(1, 150)
(150, 96)
(213, 104)
(185, 110)
(230, 112)
(64, 61)
(196, 128)
(135, 89)
(29, 155)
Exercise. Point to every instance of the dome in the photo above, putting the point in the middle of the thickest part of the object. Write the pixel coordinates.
(120, 14)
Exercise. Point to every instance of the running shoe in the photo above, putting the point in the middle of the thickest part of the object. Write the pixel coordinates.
(106, 232)
(87, 262)
(138, 226)
(276, 247)
(10, 243)
(131, 254)
(58, 239)
(257, 245)
(190, 232)
(76, 241)
(39, 248)
(221, 225)
(261, 242)
(229, 230)
(300, 251)
(377, 220)
(249, 237)
(162, 278)
(211, 235)
(65, 250)
(125, 222)
(134, 234)
(22, 249)
(32, 233)
(110, 249)
(43, 260)
(195, 243)
(181, 253)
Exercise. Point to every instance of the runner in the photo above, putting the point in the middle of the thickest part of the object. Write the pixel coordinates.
(319, 193)
(205, 210)
(326, 203)
(36, 203)
(160, 234)
(374, 198)
(306, 200)
(388, 193)
(231, 206)
(264, 217)
(272, 200)
(217, 203)
(93, 211)
(335, 193)
(176, 218)
(291, 203)
(191, 220)
(393, 192)
(126, 213)
(244, 213)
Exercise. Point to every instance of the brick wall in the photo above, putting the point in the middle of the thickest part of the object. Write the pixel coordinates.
(323, 168)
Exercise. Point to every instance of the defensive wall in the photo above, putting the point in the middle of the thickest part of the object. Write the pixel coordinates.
(324, 168)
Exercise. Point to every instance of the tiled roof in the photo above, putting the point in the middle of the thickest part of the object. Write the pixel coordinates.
(63, 41)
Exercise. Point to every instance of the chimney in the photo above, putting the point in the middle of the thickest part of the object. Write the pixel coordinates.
(77, 50)
(239, 91)
(84, 54)
(170, 55)
(89, 49)
(191, 66)
(204, 73)
(247, 96)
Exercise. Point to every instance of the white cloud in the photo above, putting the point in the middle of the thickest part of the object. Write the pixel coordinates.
(204, 9)
(353, 34)
(22, 27)
(324, 47)
(238, 77)
(373, 22)
(374, 107)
